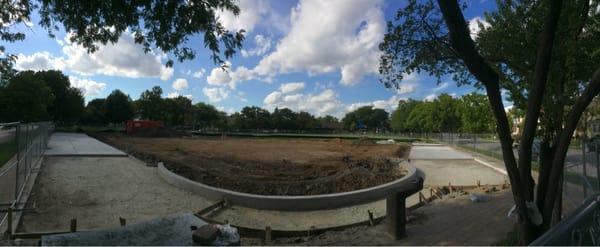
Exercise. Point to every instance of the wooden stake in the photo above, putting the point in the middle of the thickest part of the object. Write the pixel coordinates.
(122, 221)
(268, 235)
(371, 220)
(10, 223)
(73, 225)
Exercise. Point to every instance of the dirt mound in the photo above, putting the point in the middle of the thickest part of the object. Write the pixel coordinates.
(276, 166)
(364, 141)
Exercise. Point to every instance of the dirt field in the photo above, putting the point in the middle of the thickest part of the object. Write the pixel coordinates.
(271, 166)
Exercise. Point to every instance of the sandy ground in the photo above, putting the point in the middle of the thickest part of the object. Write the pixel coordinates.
(271, 166)
(440, 223)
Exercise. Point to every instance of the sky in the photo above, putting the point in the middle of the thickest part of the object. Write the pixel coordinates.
(309, 55)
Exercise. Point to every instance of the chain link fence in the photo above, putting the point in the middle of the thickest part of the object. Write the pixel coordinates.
(21, 151)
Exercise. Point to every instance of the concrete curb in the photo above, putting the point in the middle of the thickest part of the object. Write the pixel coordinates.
(296, 203)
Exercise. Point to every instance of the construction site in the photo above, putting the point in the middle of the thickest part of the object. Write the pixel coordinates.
(271, 190)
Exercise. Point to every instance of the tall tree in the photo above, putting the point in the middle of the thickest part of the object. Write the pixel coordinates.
(118, 107)
(151, 104)
(476, 114)
(25, 98)
(178, 109)
(435, 38)
(68, 104)
(95, 112)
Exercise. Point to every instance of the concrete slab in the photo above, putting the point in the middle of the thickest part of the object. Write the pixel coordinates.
(76, 144)
(167, 231)
(99, 190)
(437, 152)
(458, 172)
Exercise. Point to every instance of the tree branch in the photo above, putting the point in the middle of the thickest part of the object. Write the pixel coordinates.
(591, 91)
(461, 41)
(536, 95)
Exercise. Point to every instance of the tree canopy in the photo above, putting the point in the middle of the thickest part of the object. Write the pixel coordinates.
(546, 67)
(166, 25)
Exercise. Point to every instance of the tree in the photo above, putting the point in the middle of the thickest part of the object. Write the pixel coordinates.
(95, 112)
(284, 119)
(399, 119)
(476, 114)
(254, 117)
(366, 115)
(207, 116)
(151, 104)
(25, 98)
(178, 109)
(68, 104)
(447, 112)
(436, 40)
(328, 122)
(166, 25)
(118, 107)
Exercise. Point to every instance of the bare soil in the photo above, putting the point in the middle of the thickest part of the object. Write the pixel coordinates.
(271, 166)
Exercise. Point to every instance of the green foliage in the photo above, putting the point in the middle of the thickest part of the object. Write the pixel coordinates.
(207, 116)
(95, 112)
(177, 110)
(151, 105)
(166, 25)
(367, 117)
(25, 98)
(68, 104)
(253, 117)
(471, 113)
(117, 107)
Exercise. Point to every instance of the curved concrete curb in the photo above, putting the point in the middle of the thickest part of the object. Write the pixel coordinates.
(297, 203)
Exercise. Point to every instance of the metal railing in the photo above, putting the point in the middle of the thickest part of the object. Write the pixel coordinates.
(582, 227)
(24, 144)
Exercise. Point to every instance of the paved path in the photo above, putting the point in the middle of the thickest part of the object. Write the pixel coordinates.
(437, 152)
(75, 144)
(7, 135)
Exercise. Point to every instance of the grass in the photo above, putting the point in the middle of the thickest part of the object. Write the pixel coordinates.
(7, 151)
(81, 128)
(293, 135)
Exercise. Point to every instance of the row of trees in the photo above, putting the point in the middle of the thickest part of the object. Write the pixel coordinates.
(34, 96)
(48, 95)
(470, 113)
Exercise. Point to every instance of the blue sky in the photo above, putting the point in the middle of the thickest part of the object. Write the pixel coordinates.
(316, 56)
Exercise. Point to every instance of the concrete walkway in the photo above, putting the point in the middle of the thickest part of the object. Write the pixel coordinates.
(75, 144)
(436, 152)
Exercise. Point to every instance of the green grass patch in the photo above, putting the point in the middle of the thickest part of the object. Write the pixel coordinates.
(7, 151)
(85, 129)
(307, 135)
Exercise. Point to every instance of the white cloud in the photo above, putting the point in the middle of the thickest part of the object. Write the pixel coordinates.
(38, 61)
(430, 97)
(251, 14)
(324, 103)
(88, 87)
(263, 44)
(199, 73)
(180, 84)
(291, 87)
(441, 86)
(346, 39)
(215, 94)
(388, 105)
(123, 58)
(225, 77)
(172, 95)
(474, 26)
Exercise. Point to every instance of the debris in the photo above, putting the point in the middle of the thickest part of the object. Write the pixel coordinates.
(206, 234)
(478, 198)
(228, 236)
(389, 141)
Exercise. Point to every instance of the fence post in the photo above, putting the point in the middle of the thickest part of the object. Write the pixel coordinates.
(18, 143)
(584, 168)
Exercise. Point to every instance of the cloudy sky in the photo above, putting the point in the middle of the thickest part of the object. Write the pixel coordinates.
(315, 56)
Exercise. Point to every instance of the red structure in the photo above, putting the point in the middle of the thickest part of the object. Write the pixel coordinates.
(134, 126)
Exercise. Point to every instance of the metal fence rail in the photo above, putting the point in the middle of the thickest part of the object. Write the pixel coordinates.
(28, 142)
